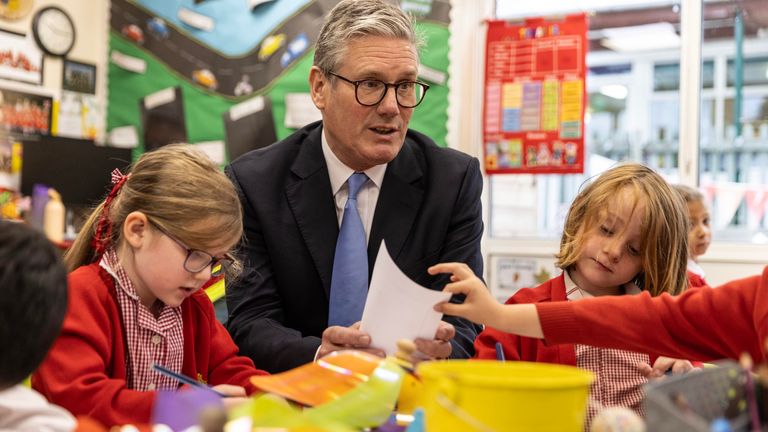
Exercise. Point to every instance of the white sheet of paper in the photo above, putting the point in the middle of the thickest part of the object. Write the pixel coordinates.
(196, 20)
(129, 63)
(213, 149)
(300, 110)
(397, 307)
(160, 97)
(249, 106)
(123, 137)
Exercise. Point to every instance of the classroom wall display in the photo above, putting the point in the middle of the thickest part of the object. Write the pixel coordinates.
(535, 96)
(20, 58)
(511, 273)
(15, 9)
(265, 51)
(78, 115)
(249, 125)
(162, 118)
(24, 113)
(79, 77)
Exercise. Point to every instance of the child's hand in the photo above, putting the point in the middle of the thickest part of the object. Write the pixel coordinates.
(664, 364)
(235, 395)
(479, 306)
(229, 390)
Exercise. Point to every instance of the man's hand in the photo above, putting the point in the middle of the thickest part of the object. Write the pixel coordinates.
(336, 338)
(437, 348)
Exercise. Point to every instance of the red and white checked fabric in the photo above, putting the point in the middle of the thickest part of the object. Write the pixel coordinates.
(617, 379)
(150, 340)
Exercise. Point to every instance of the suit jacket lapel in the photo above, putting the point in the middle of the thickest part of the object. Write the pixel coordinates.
(399, 201)
(311, 200)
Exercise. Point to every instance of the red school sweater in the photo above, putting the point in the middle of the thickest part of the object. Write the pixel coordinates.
(521, 348)
(701, 324)
(85, 371)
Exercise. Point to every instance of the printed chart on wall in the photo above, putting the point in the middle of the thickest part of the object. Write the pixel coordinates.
(535, 96)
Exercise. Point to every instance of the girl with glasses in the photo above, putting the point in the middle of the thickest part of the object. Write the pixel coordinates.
(137, 267)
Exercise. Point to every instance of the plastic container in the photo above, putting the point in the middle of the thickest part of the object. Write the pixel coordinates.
(54, 217)
(37, 210)
(492, 395)
(693, 401)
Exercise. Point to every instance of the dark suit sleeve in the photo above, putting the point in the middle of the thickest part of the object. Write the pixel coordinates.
(256, 314)
(462, 244)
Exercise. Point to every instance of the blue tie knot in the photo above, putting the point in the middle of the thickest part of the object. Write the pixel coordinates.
(355, 182)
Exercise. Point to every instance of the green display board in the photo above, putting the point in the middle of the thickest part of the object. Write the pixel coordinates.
(203, 107)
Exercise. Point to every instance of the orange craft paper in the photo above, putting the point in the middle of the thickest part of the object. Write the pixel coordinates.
(321, 381)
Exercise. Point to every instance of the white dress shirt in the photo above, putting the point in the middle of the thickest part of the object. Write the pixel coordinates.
(369, 192)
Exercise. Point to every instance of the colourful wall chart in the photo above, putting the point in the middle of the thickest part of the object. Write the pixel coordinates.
(535, 96)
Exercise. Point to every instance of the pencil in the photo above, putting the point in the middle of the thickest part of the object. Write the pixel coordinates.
(183, 379)
(499, 352)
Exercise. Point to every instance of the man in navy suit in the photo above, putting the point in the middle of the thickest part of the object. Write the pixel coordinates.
(423, 200)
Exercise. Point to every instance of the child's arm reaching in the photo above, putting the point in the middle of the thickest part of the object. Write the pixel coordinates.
(700, 324)
(480, 307)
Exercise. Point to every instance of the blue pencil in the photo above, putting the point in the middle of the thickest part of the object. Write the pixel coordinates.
(499, 352)
(184, 379)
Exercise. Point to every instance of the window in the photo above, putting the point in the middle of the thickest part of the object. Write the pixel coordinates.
(666, 76)
(641, 122)
(754, 118)
(755, 72)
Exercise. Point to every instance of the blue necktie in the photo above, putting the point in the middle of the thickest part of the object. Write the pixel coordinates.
(349, 282)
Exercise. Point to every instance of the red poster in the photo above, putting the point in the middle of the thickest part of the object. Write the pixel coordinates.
(535, 96)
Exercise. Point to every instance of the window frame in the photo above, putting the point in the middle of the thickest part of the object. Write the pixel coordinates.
(467, 41)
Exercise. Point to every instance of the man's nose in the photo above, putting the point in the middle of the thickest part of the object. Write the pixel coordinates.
(389, 105)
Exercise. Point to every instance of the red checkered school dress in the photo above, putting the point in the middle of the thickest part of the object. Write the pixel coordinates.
(617, 379)
(151, 340)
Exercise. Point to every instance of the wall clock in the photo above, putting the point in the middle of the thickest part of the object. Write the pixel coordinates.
(54, 31)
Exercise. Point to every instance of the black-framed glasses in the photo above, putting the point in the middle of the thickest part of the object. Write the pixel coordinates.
(370, 92)
(198, 260)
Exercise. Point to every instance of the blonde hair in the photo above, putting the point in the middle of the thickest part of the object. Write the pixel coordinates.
(664, 226)
(689, 194)
(177, 188)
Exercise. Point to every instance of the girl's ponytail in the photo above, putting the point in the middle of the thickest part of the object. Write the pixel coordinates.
(96, 234)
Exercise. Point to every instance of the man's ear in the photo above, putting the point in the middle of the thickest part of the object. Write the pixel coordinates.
(135, 229)
(318, 87)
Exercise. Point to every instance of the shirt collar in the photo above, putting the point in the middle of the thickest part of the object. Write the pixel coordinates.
(111, 264)
(339, 173)
(694, 267)
(573, 292)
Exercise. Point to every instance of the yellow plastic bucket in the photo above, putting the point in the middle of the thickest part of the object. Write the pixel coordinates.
(487, 395)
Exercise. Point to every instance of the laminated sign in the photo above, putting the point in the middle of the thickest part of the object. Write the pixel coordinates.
(535, 96)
